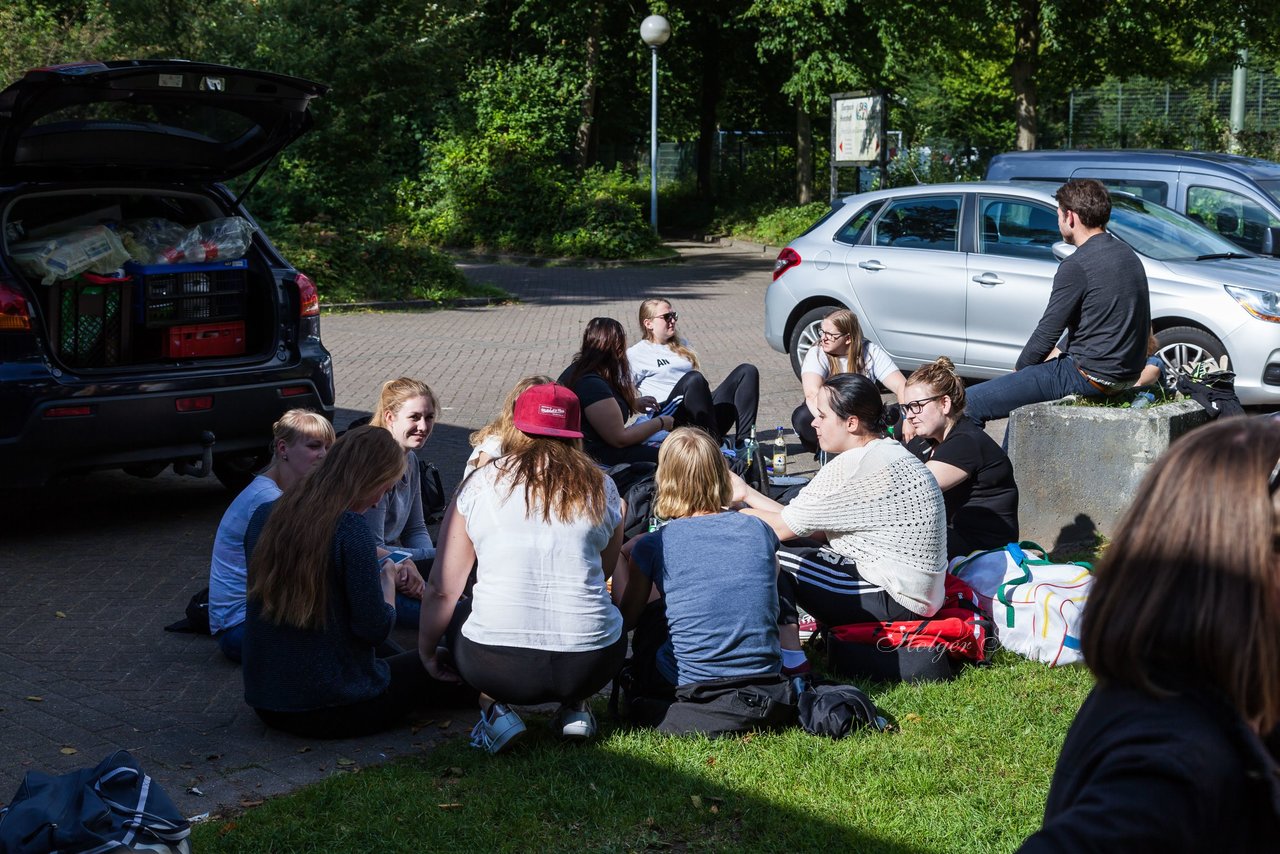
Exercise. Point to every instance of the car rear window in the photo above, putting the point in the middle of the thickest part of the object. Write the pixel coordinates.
(208, 122)
(853, 230)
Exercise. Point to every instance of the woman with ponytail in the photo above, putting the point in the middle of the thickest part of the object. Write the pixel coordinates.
(664, 368)
(840, 349)
(975, 475)
(879, 512)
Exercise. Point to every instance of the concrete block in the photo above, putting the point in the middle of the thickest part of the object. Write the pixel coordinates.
(1079, 467)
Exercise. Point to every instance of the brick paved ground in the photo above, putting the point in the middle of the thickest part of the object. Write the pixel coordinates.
(92, 571)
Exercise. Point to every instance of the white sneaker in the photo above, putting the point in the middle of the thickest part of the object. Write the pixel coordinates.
(574, 721)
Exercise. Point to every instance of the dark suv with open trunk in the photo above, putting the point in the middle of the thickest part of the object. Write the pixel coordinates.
(185, 364)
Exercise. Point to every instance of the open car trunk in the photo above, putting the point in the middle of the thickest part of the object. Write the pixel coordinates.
(190, 314)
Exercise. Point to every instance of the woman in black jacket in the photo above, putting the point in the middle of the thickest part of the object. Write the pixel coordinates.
(1182, 631)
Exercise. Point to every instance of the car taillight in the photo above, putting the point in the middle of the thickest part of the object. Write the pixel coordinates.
(787, 259)
(308, 297)
(15, 315)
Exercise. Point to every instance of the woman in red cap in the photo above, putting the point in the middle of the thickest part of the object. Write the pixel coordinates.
(543, 526)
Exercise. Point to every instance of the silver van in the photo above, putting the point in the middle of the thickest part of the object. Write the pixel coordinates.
(1238, 197)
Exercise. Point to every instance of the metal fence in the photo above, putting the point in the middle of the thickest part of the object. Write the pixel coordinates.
(1153, 113)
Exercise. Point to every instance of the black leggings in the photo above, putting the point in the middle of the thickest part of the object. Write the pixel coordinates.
(802, 423)
(734, 403)
(828, 586)
(527, 677)
(410, 687)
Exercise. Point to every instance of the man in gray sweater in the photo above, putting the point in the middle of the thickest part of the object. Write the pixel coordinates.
(1099, 298)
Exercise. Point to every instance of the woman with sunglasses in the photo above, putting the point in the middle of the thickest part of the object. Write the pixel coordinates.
(666, 371)
(975, 475)
(1174, 749)
(840, 349)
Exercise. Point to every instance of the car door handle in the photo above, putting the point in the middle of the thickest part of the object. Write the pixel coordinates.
(871, 265)
(988, 280)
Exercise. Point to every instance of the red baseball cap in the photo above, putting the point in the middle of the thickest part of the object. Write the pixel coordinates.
(548, 410)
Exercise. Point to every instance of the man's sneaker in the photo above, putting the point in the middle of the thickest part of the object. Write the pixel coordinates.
(808, 625)
(497, 728)
(574, 721)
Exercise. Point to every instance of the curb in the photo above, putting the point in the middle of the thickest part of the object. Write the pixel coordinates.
(744, 245)
(415, 304)
(540, 261)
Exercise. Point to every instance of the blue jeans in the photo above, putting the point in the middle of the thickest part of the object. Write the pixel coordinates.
(231, 642)
(1033, 384)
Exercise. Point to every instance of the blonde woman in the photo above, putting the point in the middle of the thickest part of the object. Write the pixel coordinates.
(320, 603)
(716, 571)
(406, 408)
(1174, 748)
(973, 472)
(667, 374)
(543, 527)
(840, 349)
(488, 443)
(299, 440)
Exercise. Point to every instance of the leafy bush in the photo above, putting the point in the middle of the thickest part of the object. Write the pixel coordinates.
(351, 265)
(776, 227)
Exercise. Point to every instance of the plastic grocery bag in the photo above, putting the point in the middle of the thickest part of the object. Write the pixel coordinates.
(96, 249)
(160, 241)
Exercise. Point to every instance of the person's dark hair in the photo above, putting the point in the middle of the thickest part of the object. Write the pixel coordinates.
(604, 352)
(1188, 593)
(855, 395)
(1088, 199)
(940, 377)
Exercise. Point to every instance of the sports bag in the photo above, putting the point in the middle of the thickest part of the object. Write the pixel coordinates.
(915, 650)
(1038, 608)
(984, 572)
(114, 806)
(837, 710)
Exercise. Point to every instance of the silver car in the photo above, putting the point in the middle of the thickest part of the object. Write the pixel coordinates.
(965, 270)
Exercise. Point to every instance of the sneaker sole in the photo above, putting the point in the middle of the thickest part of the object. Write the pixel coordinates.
(577, 732)
(508, 738)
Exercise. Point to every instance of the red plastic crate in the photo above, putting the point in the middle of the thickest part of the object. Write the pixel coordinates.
(204, 339)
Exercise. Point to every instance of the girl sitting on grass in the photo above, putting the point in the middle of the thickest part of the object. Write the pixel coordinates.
(715, 569)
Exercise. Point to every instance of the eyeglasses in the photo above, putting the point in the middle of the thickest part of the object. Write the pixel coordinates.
(829, 336)
(669, 317)
(915, 407)
(1274, 480)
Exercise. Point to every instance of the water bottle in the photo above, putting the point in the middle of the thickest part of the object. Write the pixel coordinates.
(1143, 400)
(752, 448)
(779, 454)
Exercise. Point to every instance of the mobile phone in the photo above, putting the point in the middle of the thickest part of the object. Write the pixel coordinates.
(398, 555)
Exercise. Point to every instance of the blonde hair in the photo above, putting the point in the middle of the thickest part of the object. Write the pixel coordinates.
(301, 424)
(290, 568)
(393, 395)
(940, 377)
(846, 323)
(677, 345)
(1188, 593)
(503, 426)
(559, 479)
(692, 475)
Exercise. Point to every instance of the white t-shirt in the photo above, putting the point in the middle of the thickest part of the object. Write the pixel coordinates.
(538, 585)
(227, 569)
(656, 368)
(491, 446)
(876, 364)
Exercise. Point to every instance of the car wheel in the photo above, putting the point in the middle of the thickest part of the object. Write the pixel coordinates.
(1187, 345)
(235, 471)
(805, 334)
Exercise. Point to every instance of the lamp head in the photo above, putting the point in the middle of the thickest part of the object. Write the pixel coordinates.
(654, 31)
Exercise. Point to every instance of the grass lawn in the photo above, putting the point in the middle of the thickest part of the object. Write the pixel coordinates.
(967, 769)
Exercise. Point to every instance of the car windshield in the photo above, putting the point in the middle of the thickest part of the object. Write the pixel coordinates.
(1163, 234)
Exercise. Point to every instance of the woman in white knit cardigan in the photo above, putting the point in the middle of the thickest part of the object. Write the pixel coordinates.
(877, 509)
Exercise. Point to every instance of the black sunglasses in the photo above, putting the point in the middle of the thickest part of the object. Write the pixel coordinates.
(669, 317)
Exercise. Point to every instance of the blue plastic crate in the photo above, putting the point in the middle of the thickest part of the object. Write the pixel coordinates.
(180, 294)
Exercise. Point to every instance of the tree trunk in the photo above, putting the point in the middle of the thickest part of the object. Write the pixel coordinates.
(582, 140)
(708, 105)
(1026, 54)
(804, 154)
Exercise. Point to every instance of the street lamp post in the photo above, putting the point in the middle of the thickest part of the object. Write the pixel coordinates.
(654, 31)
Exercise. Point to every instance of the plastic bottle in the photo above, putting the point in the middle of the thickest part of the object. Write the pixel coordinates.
(779, 454)
(1143, 400)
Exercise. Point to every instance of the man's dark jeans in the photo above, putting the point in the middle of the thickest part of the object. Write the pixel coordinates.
(1033, 384)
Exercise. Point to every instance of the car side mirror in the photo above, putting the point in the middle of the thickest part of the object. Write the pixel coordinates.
(1062, 250)
(1270, 242)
